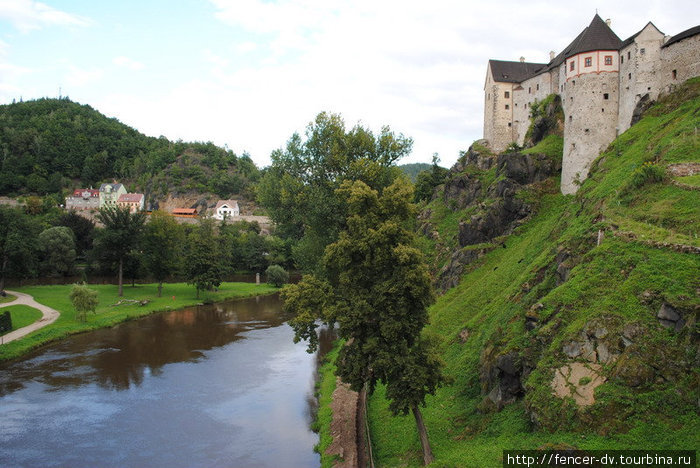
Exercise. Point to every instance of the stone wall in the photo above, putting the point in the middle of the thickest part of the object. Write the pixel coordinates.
(534, 89)
(684, 58)
(497, 119)
(590, 104)
(639, 73)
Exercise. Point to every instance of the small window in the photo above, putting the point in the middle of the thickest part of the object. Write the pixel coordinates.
(642, 50)
(587, 130)
(538, 87)
(602, 110)
(674, 74)
(622, 59)
(608, 60)
(507, 94)
(629, 76)
(516, 104)
(606, 96)
(507, 107)
(529, 90)
(570, 118)
(510, 124)
(571, 66)
(588, 62)
(573, 82)
(629, 55)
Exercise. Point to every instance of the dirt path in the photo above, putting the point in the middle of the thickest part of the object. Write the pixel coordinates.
(344, 426)
(49, 316)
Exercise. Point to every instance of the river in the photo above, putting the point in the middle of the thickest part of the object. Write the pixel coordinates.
(221, 385)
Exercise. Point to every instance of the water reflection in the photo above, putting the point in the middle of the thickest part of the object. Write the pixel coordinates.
(218, 385)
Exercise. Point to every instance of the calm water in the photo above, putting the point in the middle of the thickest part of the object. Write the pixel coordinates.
(210, 386)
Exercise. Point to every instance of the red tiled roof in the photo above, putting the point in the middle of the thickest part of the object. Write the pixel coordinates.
(184, 211)
(130, 198)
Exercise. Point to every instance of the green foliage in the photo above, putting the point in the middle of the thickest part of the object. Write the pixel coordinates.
(120, 236)
(426, 181)
(551, 145)
(18, 240)
(546, 118)
(647, 173)
(163, 247)
(203, 267)
(276, 276)
(83, 230)
(299, 188)
(49, 142)
(57, 250)
(5, 322)
(84, 300)
(412, 170)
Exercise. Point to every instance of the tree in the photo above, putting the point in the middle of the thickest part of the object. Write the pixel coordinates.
(377, 288)
(276, 275)
(18, 234)
(121, 234)
(163, 243)
(203, 260)
(83, 230)
(426, 181)
(83, 299)
(57, 247)
(299, 188)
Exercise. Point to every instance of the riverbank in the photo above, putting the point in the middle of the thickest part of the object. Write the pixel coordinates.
(175, 296)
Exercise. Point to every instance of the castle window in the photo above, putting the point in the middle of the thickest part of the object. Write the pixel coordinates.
(510, 124)
(608, 60)
(571, 66)
(570, 118)
(529, 90)
(538, 87)
(587, 130)
(629, 55)
(507, 95)
(507, 107)
(602, 110)
(588, 62)
(642, 50)
(622, 59)
(605, 96)
(629, 76)
(674, 74)
(573, 82)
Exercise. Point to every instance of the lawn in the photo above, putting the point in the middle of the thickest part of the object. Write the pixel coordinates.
(175, 296)
(8, 298)
(22, 315)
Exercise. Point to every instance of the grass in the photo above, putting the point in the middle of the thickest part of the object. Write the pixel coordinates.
(325, 389)
(7, 298)
(22, 315)
(175, 296)
(607, 285)
(693, 180)
(551, 145)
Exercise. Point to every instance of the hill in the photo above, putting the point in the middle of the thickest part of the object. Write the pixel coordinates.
(568, 321)
(52, 144)
(413, 169)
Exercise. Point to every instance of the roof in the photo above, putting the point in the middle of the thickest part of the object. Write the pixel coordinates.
(130, 197)
(185, 211)
(115, 187)
(631, 39)
(513, 72)
(597, 36)
(93, 192)
(695, 30)
(230, 203)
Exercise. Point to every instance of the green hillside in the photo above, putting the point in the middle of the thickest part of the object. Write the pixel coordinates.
(49, 145)
(594, 296)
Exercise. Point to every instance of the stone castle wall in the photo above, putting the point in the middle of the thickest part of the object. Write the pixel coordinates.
(684, 58)
(497, 118)
(590, 104)
(534, 89)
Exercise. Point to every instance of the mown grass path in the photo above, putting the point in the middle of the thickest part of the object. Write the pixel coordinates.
(48, 316)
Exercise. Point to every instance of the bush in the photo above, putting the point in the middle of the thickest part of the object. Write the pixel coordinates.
(5, 322)
(647, 173)
(276, 276)
(84, 300)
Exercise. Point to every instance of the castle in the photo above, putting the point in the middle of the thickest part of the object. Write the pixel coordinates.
(600, 78)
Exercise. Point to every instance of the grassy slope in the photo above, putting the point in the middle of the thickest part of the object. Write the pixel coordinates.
(607, 283)
(325, 388)
(175, 296)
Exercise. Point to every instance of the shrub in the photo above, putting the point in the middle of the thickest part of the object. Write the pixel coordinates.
(647, 173)
(83, 299)
(276, 276)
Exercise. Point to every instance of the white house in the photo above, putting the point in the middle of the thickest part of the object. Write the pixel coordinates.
(226, 209)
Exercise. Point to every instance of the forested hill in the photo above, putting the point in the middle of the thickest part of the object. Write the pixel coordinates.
(48, 145)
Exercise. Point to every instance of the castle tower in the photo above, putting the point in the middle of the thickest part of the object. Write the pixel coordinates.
(589, 80)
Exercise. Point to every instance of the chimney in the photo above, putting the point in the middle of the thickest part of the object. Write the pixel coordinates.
(551, 55)
(608, 22)
(522, 59)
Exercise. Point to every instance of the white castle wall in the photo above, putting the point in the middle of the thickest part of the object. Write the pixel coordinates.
(684, 58)
(497, 119)
(534, 89)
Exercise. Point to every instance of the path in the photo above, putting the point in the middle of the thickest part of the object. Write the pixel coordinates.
(49, 316)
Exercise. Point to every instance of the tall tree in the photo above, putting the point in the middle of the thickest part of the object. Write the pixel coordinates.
(57, 247)
(377, 288)
(18, 234)
(121, 234)
(163, 244)
(83, 230)
(203, 259)
(299, 188)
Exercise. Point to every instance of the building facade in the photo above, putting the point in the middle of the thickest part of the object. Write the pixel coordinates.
(601, 80)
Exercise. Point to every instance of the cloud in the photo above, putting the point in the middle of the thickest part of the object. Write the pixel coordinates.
(78, 77)
(27, 15)
(126, 62)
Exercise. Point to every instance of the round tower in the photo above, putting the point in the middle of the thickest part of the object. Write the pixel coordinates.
(589, 77)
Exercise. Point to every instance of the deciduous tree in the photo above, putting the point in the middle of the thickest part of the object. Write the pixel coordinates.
(163, 245)
(83, 299)
(203, 259)
(377, 288)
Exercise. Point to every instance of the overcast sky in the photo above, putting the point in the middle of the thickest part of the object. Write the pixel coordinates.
(249, 73)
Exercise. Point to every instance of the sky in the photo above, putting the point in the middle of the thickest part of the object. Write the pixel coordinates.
(247, 74)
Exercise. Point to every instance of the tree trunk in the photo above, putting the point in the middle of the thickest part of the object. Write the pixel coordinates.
(121, 268)
(160, 289)
(423, 433)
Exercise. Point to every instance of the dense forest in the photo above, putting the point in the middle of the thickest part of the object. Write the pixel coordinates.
(48, 145)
